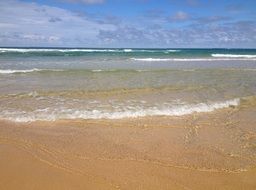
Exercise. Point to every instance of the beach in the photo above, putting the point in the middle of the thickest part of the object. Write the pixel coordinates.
(213, 151)
(127, 118)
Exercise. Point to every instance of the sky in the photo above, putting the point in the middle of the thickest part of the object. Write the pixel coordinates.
(128, 23)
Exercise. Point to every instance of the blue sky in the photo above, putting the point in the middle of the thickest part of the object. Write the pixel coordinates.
(128, 23)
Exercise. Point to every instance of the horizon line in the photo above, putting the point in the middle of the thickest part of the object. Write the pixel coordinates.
(73, 47)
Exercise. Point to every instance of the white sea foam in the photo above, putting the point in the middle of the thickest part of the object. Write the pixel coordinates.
(20, 50)
(172, 50)
(25, 50)
(234, 55)
(127, 50)
(150, 59)
(118, 113)
(172, 59)
(190, 59)
(153, 51)
(11, 71)
(97, 70)
(89, 50)
(100, 70)
(142, 70)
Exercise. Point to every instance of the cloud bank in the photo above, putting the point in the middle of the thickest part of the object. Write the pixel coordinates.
(32, 24)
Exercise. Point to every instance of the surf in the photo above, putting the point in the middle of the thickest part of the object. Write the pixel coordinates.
(117, 112)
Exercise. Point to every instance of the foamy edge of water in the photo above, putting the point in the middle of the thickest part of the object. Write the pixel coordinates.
(194, 59)
(179, 110)
(13, 71)
(233, 55)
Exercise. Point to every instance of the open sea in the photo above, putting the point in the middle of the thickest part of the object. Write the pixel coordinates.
(49, 84)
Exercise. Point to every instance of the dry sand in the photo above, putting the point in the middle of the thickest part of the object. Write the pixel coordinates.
(201, 151)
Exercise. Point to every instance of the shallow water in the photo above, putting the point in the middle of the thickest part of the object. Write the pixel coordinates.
(50, 84)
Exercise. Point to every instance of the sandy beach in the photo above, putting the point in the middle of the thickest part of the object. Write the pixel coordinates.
(200, 151)
(127, 95)
(94, 119)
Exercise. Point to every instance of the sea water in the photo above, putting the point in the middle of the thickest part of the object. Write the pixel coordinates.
(82, 83)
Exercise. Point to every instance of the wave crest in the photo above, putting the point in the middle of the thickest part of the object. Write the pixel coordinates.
(52, 114)
(28, 50)
(194, 59)
(11, 71)
(233, 55)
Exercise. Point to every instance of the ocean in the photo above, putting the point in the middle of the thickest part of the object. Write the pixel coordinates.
(48, 84)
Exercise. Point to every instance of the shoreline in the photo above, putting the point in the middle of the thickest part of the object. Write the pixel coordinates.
(199, 151)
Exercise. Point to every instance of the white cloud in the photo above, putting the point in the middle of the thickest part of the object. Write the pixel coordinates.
(33, 24)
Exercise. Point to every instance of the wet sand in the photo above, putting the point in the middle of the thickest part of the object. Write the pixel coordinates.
(201, 151)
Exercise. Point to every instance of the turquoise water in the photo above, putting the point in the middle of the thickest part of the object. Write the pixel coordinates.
(50, 84)
(166, 53)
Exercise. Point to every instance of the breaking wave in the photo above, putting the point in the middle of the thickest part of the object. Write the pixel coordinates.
(11, 71)
(234, 55)
(119, 112)
(27, 50)
(192, 59)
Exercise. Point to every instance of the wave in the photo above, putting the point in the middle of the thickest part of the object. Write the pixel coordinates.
(10, 71)
(173, 50)
(83, 71)
(126, 112)
(128, 50)
(27, 50)
(150, 59)
(189, 59)
(55, 50)
(156, 51)
(233, 55)
(171, 59)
